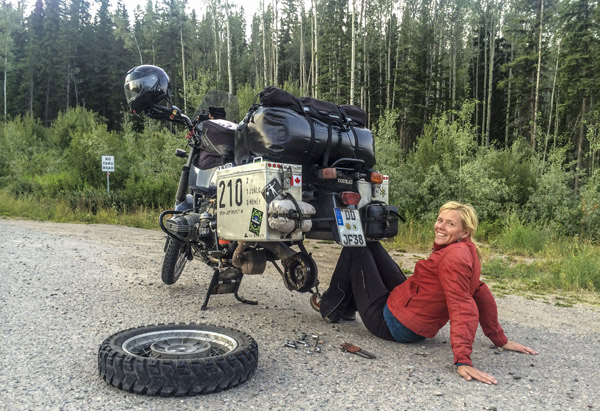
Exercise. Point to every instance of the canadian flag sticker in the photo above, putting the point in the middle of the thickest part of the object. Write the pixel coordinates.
(296, 181)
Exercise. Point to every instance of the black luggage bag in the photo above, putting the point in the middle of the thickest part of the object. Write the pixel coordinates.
(303, 131)
(218, 138)
(380, 220)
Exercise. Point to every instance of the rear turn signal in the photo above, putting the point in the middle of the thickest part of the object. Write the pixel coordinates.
(350, 198)
(376, 178)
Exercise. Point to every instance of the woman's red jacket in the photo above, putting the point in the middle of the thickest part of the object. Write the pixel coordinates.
(446, 286)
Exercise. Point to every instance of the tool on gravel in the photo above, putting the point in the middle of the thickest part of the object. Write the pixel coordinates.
(353, 349)
(290, 344)
(302, 341)
(316, 347)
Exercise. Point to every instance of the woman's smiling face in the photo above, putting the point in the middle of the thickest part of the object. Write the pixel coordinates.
(449, 228)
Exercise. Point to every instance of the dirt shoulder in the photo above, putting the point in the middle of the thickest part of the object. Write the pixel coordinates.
(66, 287)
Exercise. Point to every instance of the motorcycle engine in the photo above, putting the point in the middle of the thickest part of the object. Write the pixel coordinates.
(190, 226)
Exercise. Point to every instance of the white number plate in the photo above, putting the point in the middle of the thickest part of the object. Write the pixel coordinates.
(349, 228)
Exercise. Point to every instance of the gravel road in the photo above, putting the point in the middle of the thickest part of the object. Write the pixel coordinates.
(66, 287)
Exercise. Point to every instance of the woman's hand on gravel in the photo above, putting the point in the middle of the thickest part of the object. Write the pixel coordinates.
(469, 373)
(515, 346)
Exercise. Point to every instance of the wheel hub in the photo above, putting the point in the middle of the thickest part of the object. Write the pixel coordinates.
(300, 272)
(180, 348)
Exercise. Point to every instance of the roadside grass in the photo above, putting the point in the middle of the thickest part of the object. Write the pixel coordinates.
(59, 210)
(516, 258)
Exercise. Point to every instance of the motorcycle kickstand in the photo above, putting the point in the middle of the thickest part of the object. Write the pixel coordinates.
(243, 300)
(213, 282)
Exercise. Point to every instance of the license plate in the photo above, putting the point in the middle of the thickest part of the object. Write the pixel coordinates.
(349, 228)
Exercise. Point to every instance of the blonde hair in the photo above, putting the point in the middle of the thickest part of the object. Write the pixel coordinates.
(468, 218)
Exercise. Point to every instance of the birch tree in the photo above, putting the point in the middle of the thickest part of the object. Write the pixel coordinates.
(229, 73)
(9, 24)
(537, 81)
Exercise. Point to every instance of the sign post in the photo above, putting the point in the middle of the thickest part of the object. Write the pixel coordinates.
(108, 165)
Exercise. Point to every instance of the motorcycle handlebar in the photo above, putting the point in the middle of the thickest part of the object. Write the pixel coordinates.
(170, 113)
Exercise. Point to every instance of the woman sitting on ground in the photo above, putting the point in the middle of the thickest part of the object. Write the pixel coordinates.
(446, 286)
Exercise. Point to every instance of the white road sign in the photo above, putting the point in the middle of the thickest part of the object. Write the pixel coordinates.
(108, 163)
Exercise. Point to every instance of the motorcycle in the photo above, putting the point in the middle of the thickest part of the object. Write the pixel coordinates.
(237, 217)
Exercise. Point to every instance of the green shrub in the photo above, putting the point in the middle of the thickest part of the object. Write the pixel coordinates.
(553, 200)
(590, 208)
(521, 238)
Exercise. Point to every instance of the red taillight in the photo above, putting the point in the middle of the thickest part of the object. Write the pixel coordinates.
(224, 242)
(376, 178)
(327, 173)
(350, 198)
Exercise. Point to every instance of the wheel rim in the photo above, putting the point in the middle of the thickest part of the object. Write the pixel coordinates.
(179, 343)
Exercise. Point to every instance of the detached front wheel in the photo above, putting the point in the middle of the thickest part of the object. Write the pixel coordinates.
(176, 255)
(177, 359)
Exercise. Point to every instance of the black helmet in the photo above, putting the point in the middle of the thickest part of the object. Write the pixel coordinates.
(146, 85)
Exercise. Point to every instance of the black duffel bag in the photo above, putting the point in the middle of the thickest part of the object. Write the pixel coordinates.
(217, 143)
(303, 131)
(380, 220)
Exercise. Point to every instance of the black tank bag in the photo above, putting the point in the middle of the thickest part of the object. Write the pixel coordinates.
(217, 144)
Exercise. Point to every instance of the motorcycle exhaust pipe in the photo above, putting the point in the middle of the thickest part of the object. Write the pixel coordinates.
(250, 262)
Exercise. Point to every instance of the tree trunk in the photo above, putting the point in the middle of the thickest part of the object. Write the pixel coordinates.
(508, 98)
(68, 85)
(5, 75)
(453, 79)
(315, 51)
(580, 144)
(490, 80)
(485, 86)
(388, 68)
(183, 77)
(363, 98)
(551, 101)
(229, 73)
(353, 56)
(264, 46)
(302, 52)
(537, 82)
(397, 63)
(138, 48)
(477, 104)
(556, 118)
(275, 49)
(216, 41)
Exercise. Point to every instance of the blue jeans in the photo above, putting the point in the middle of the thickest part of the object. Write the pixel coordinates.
(400, 333)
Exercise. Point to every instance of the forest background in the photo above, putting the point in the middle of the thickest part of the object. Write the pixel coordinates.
(489, 102)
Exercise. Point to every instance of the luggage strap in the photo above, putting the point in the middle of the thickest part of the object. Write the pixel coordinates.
(349, 122)
(306, 112)
(300, 219)
(327, 146)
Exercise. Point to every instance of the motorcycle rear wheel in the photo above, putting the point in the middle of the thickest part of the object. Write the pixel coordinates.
(177, 359)
(174, 261)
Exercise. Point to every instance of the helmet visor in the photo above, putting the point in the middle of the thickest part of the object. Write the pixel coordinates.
(134, 88)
